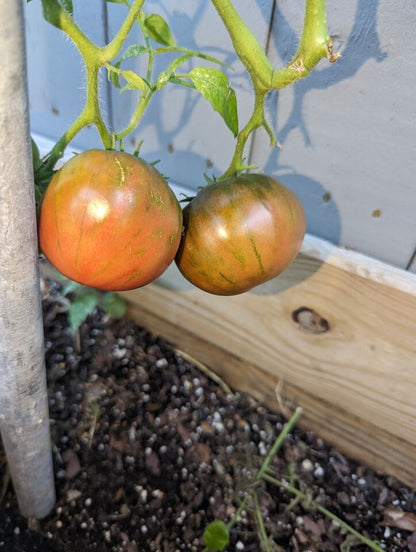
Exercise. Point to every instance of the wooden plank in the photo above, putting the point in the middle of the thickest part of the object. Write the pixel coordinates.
(349, 360)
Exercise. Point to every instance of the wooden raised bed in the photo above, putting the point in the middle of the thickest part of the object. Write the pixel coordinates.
(334, 334)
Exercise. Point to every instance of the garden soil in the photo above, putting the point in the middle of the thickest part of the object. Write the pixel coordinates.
(148, 450)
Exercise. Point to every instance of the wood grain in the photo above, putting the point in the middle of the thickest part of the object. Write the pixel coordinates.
(356, 381)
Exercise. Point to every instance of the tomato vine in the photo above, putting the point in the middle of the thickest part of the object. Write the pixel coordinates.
(314, 45)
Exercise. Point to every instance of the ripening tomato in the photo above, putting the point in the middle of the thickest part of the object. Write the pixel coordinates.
(110, 221)
(239, 233)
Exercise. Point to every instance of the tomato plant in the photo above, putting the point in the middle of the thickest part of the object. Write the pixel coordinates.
(239, 233)
(109, 220)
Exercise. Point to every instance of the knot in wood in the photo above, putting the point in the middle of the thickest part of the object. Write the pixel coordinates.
(308, 320)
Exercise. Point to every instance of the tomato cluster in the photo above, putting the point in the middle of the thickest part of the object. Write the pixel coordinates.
(110, 221)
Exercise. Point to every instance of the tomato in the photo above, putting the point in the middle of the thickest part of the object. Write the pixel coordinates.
(239, 233)
(110, 221)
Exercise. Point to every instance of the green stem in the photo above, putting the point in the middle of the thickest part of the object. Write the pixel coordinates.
(60, 18)
(246, 45)
(109, 52)
(302, 496)
(255, 121)
(92, 107)
(93, 58)
(313, 46)
(260, 525)
(137, 115)
(267, 461)
(145, 96)
(293, 420)
(91, 114)
(261, 474)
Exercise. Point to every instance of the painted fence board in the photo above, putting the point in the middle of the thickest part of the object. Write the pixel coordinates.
(56, 76)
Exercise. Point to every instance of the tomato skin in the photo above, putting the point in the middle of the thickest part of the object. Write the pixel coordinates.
(239, 233)
(109, 221)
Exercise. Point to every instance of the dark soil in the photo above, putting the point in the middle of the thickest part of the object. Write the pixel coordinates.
(148, 450)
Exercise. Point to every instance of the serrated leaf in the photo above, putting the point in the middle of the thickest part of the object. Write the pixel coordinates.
(213, 84)
(80, 308)
(216, 535)
(113, 304)
(157, 29)
(53, 10)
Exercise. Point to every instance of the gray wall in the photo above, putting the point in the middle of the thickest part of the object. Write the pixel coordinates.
(347, 132)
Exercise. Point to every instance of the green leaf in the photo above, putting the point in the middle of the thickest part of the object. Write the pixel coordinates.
(36, 160)
(213, 84)
(67, 5)
(162, 79)
(216, 535)
(178, 62)
(135, 50)
(53, 10)
(113, 304)
(80, 308)
(157, 28)
(71, 287)
(182, 82)
(133, 79)
(169, 75)
(192, 53)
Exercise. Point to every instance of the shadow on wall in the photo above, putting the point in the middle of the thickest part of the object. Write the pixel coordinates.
(186, 166)
(323, 217)
(361, 45)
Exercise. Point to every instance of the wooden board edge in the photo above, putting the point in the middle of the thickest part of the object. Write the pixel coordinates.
(359, 264)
